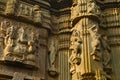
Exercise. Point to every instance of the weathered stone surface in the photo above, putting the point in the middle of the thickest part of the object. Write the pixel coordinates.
(59, 39)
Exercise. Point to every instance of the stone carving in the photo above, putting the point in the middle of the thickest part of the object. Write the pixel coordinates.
(17, 44)
(25, 11)
(106, 52)
(92, 7)
(4, 25)
(52, 57)
(76, 49)
(96, 45)
(53, 52)
(9, 41)
(11, 6)
(24, 47)
(37, 14)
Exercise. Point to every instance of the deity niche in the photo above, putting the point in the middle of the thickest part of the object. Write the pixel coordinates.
(19, 46)
(10, 7)
(24, 47)
(76, 50)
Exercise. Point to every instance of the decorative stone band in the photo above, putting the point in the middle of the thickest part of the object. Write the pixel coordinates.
(91, 16)
(29, 12)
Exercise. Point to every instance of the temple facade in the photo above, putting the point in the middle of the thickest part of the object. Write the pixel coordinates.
(59, 39)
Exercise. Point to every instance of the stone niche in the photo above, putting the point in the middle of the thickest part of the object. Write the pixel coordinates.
(19, 43)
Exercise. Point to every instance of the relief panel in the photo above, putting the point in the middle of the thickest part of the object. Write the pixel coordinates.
(18, 42)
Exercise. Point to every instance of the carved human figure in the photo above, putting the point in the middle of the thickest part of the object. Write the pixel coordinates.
(95, 37)
(21, 44)
(9, 40)
(53, 52)
(96, 45)
(3, 28)
(22, 35)
(76, 49)
(31, 49)
(10, 7)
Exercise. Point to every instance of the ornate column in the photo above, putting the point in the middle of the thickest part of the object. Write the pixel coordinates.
(87, 47)
(111, 23)
(64, 40)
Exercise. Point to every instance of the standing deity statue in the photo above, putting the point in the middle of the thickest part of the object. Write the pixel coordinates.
(53, 52)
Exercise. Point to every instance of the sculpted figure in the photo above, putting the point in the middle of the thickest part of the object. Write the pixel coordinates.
(31, 49)
(10, 40)
(53, 52)
(76, 49)
(96, 45)
(21, 44)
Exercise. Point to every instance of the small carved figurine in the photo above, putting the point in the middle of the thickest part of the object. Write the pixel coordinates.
(53, 52)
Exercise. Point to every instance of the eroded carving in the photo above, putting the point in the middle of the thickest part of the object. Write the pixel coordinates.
(11, 7)
(96, 45)
(92, 7)
(52, 56)
(76, 50)
(37, 14)
(25, 11)
(18, 43)
(106, 52)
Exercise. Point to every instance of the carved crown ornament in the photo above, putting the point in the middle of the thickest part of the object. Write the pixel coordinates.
(23, 11)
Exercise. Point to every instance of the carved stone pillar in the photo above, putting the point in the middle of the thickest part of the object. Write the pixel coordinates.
(63, 50)
(88, 29)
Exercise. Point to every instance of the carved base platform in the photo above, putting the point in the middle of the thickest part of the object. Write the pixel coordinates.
(12, 61)
(53, 72)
